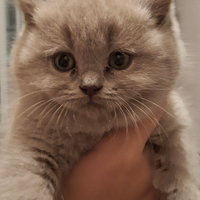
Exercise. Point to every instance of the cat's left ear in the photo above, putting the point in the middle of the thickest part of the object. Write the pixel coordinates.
(160, 10)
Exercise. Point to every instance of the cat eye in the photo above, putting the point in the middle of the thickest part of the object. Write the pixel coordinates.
(64, 62)
(119, 60)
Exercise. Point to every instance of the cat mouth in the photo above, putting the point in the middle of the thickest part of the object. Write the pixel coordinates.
(89, 104)
(93, 104)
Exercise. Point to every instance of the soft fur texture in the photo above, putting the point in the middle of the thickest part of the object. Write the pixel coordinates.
(55, 122)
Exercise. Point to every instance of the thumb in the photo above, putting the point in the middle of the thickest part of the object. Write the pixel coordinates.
(146, 127)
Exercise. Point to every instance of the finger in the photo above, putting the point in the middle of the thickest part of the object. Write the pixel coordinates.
(133, 138)
(147, 126)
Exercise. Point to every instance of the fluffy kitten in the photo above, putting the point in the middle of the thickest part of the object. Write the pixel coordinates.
(84, 68)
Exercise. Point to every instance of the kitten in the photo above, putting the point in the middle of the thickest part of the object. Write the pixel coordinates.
(84, 68)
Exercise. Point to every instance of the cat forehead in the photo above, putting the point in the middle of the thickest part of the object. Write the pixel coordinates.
(90, 13)
(92, 22)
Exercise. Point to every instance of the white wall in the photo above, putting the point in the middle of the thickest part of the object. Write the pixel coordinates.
(3, 67)
(189, 16)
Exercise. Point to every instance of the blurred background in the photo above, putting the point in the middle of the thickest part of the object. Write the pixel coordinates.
(11, 21)
(188, 13)
(189, 16)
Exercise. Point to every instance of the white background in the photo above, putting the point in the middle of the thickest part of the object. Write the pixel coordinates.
(189, 17)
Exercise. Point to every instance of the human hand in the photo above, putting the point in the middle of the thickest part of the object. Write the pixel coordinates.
(117, 169)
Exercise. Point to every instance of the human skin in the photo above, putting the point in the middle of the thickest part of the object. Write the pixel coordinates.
(119, 167)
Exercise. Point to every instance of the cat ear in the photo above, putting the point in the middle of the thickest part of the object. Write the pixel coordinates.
(160, 10)
(28, 8)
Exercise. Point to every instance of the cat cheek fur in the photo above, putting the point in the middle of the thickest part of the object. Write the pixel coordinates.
(55, 122)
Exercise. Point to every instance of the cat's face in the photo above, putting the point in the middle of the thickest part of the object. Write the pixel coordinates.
(96, 56)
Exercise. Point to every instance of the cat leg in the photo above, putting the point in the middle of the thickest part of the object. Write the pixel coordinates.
(177, 161)
(34, 169)
(23, 178)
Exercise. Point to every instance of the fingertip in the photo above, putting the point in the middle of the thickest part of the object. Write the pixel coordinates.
(147, 126)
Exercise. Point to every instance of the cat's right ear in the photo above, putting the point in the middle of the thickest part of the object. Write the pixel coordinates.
(28, 8)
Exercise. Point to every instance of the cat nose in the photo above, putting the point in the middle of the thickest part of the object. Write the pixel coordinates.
(90, 84)
(90, 90)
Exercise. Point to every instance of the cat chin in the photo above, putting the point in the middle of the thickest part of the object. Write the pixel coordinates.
(88, 124)
(98, 121)
(98, 126)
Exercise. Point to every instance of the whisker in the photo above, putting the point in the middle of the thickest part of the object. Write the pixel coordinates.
(124, 116)
(114, 110)
(52, 115)
(49, 111)
(158, 123)
(32, 106)
(43, 116)
(29, 108)
(65, 114)
(157, 106)
(153, 120)
(139, 121)
(60, 115)
(27, 95)
(128, 108)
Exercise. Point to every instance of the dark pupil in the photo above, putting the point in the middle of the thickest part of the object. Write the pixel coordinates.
(64, 61)
(119, 59)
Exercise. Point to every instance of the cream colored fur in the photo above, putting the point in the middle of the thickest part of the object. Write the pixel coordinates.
(54, 123)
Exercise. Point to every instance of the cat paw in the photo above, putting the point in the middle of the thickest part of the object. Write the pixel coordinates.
(181, 194)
